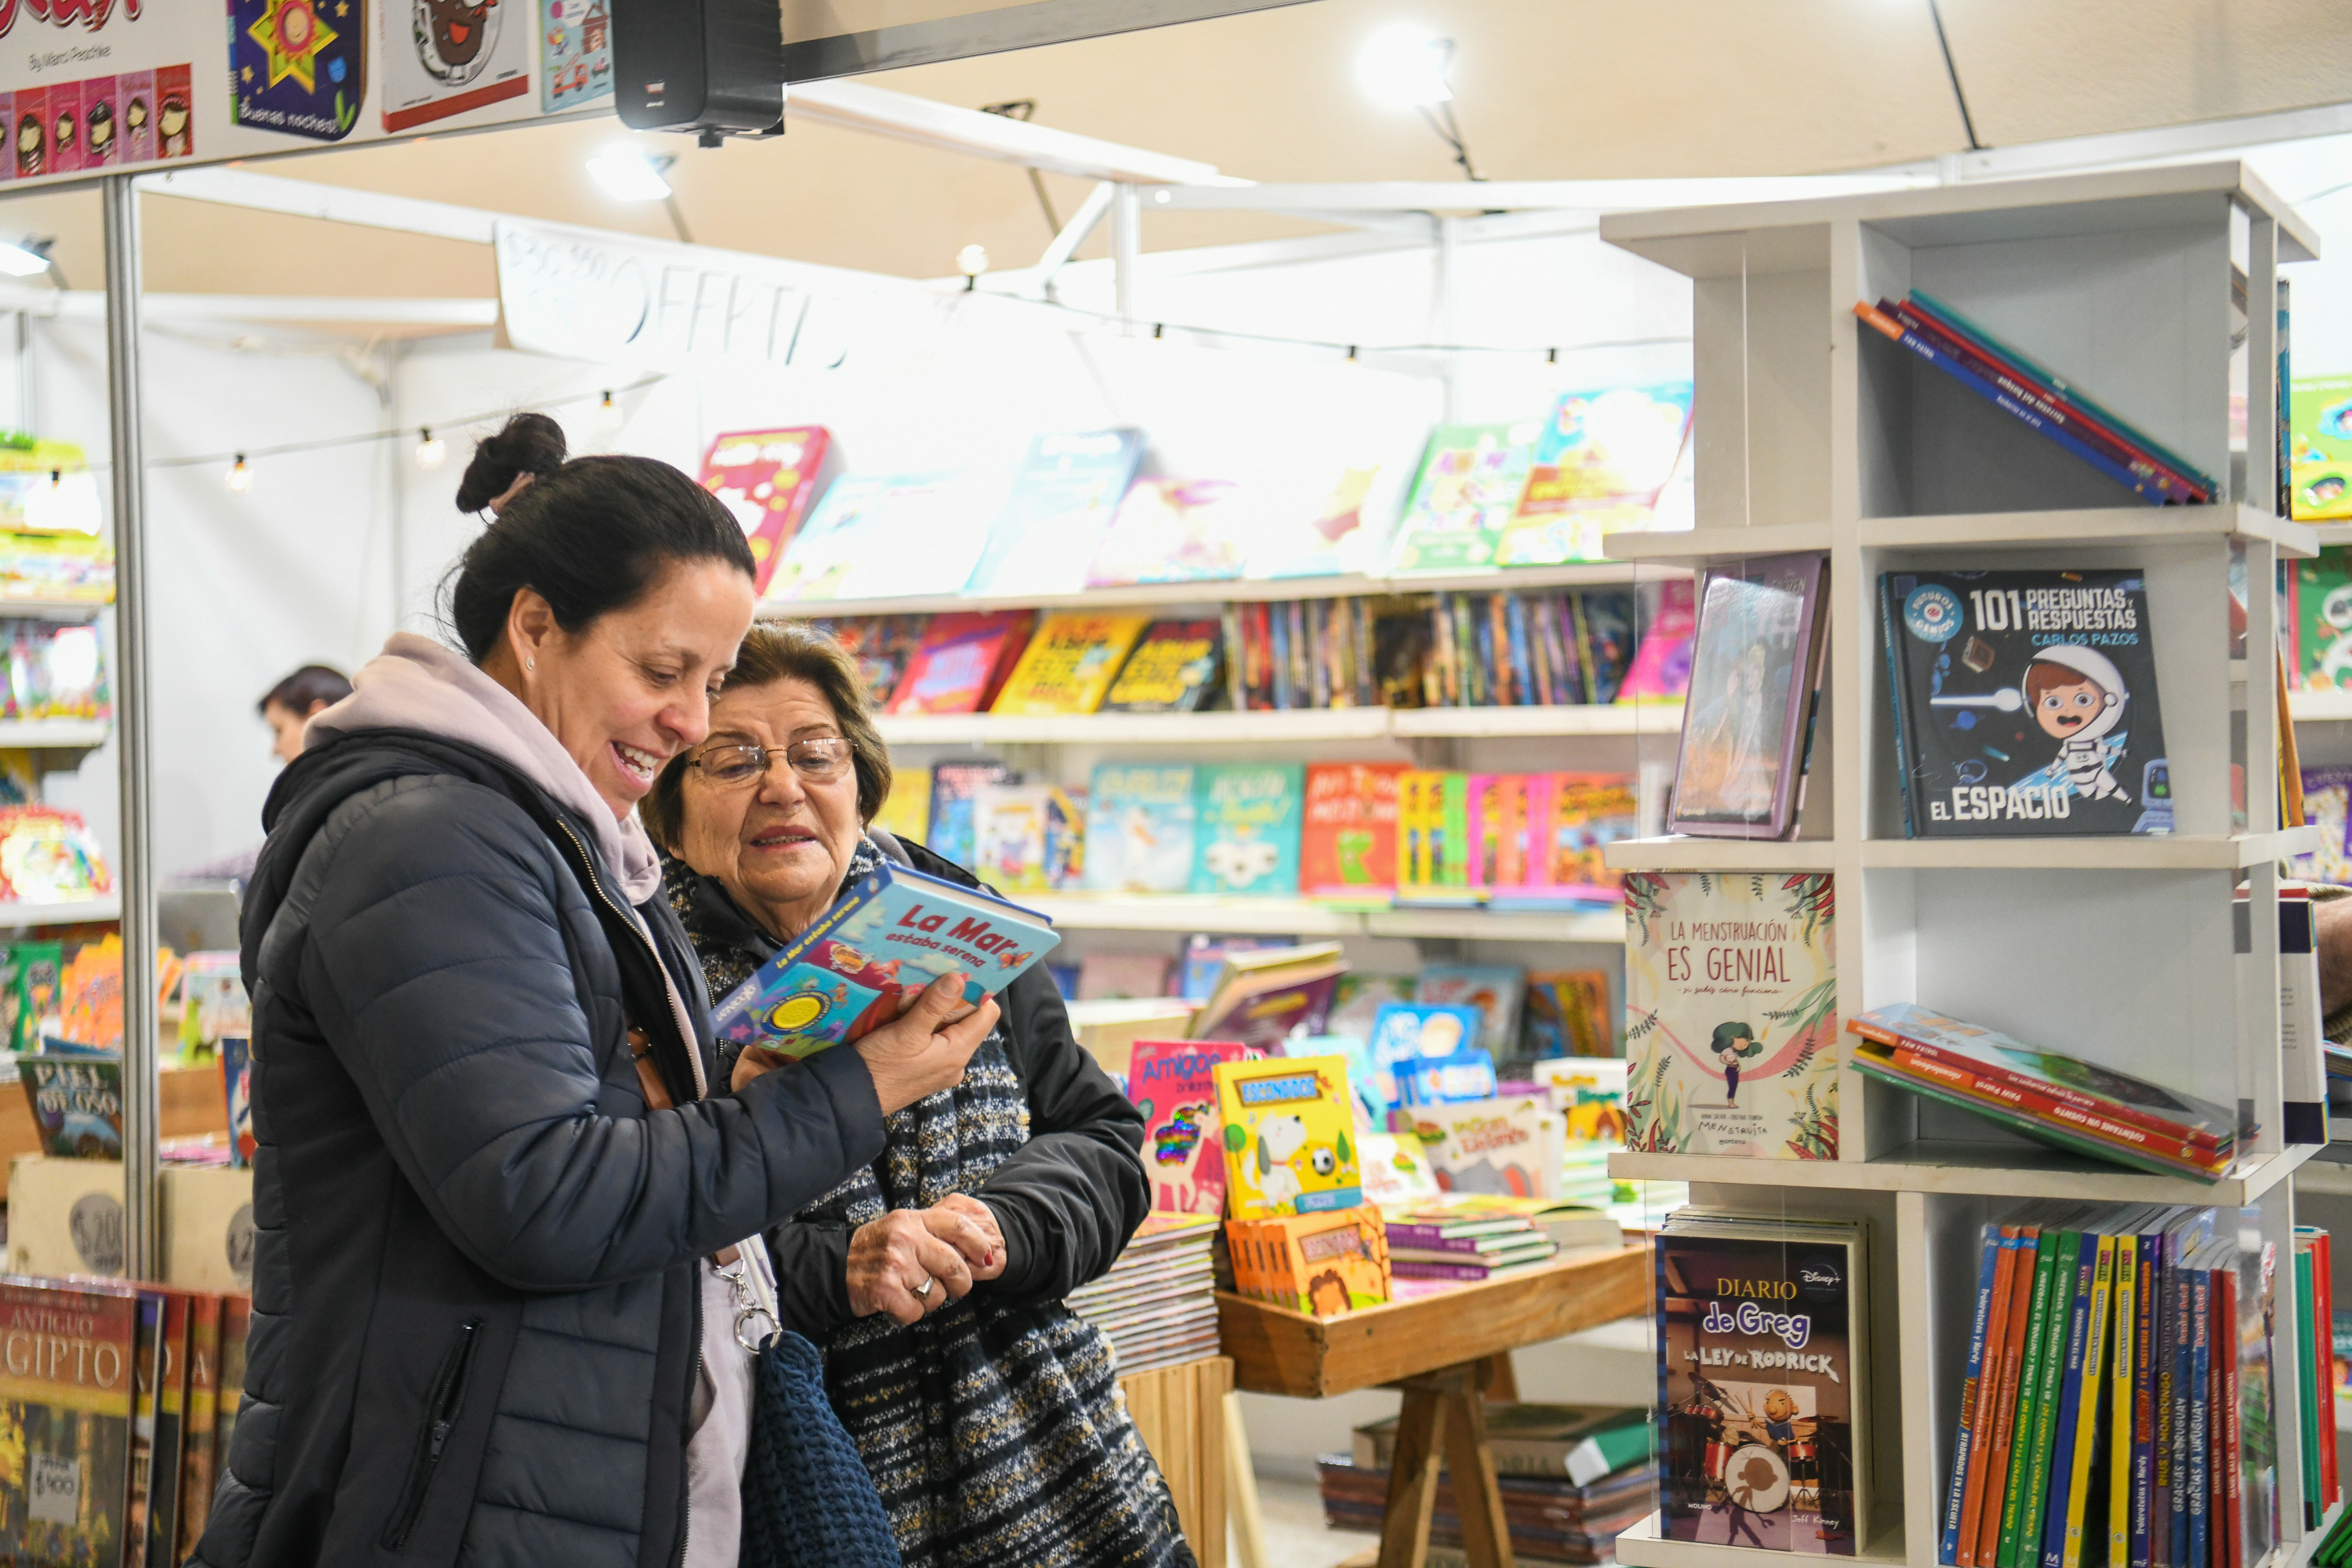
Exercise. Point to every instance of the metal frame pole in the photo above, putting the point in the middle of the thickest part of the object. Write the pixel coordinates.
(1126, 247)
(142, 1254)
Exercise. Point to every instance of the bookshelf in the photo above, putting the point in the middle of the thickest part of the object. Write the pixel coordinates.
(53, 734)
(1823, 435)
(1264, 727)
(19, 917)
(1161, 596)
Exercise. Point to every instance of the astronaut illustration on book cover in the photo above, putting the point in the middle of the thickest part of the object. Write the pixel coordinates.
(2028, 703)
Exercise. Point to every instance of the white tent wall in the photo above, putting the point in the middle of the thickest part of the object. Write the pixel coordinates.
(244, 588)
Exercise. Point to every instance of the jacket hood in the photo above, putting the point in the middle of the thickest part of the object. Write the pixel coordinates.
(419, 686)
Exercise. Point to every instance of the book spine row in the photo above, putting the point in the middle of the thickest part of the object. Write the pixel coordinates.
(2123, 1370)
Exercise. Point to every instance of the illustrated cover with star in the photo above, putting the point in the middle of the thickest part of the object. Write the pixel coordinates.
(298, 66)
(446, 58)
(2025, 703)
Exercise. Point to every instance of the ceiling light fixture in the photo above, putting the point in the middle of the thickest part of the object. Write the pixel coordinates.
(1406, 67)
(626, 174)
(971, 261)
(240, 477)
(22, 261)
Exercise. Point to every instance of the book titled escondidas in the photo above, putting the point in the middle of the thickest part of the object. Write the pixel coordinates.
(893, 934)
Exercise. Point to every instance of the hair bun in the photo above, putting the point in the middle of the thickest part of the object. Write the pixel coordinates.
(526, 444)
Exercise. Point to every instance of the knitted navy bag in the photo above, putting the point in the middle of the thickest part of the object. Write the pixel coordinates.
(808, 1501)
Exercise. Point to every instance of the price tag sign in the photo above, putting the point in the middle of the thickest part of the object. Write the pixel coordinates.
(53, 1488)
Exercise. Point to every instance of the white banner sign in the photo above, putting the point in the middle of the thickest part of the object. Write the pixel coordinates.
(588, 295)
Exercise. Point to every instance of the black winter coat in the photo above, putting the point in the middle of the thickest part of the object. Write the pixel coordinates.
(475, 1314)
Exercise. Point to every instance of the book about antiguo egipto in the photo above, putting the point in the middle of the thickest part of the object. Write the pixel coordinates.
(2025, 703)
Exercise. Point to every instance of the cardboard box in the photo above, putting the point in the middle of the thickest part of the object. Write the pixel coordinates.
(65, 1216)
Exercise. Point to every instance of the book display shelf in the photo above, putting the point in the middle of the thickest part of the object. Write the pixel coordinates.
(1064, 748)
(1822, 436)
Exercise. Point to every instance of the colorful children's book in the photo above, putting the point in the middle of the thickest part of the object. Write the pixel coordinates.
(884, 647)
(236, 1091)
(962, 662)
(1493, 989)
(1731, 1014)
(2025, 703)
(1268, 997)
(1599, 466)
(1568, 1014)
(1405, 1033)
(1462, 1077)
(1173, 1084)
(2320, 419)
(1472, 477)
(907, 810)
(1324, 1263)
(874, 536)
(1588, 1093)
(1572, 819)
(894, 932)
(1063, 495)
(1753, 665)
(1069, 663)
(953, 787)
(1177, 531)
(1433, 837)
(1345, 529)
(1497, 806)
(77, 1103)
(1510, 1145)
(1174, 669)
(768, 478)
(1289, 1136)
(1246, 828)
(2319, 614)
(1029, 838)
(1140, 829)
(1661, 670)
(1347, 845)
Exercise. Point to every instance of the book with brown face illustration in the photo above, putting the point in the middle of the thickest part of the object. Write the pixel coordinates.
(1762, 1413)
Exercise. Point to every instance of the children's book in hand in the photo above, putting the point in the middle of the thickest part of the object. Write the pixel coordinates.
(888, 937)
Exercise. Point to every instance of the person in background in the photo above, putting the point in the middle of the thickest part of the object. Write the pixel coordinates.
(991, 1426)
(286, 707)
(290, 704)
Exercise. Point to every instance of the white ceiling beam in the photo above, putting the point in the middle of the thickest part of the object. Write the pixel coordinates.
(2162, 144)
(855, 106)
(336, 203)
(1514, 196)
(90, 305)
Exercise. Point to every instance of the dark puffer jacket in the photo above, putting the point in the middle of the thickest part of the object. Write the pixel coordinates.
(475, 1314)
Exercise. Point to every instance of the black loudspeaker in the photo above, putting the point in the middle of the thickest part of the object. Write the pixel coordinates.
(716, 67)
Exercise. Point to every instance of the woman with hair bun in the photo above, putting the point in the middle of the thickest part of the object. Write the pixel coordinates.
(526, 448)
(499, 1311)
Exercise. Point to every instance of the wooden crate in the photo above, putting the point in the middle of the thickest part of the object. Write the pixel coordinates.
(1279, 1350)
(191, 1103)
(1180, 1411)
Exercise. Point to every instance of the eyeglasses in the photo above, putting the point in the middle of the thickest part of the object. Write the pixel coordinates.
(819, 759)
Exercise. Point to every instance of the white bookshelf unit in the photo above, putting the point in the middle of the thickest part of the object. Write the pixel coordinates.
(1820, 435)
(1066, 748)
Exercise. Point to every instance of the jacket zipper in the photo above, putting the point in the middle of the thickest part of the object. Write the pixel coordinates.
(694, 1378)
(444, 1403)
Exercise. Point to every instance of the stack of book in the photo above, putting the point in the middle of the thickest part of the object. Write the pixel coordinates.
(2040, 400)
(1445, 1241)
(2045, 1095)
(1572, 1477)
(1158, 1305)
(2120, 1380)
(61, 568)
(119, 1435)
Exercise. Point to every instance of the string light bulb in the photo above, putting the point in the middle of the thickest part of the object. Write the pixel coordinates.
(608, 416)
(240, 477)
(430, 449)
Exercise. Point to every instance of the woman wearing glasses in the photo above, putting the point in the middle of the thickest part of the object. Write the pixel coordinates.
(989, 1421)
(499, 1310)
